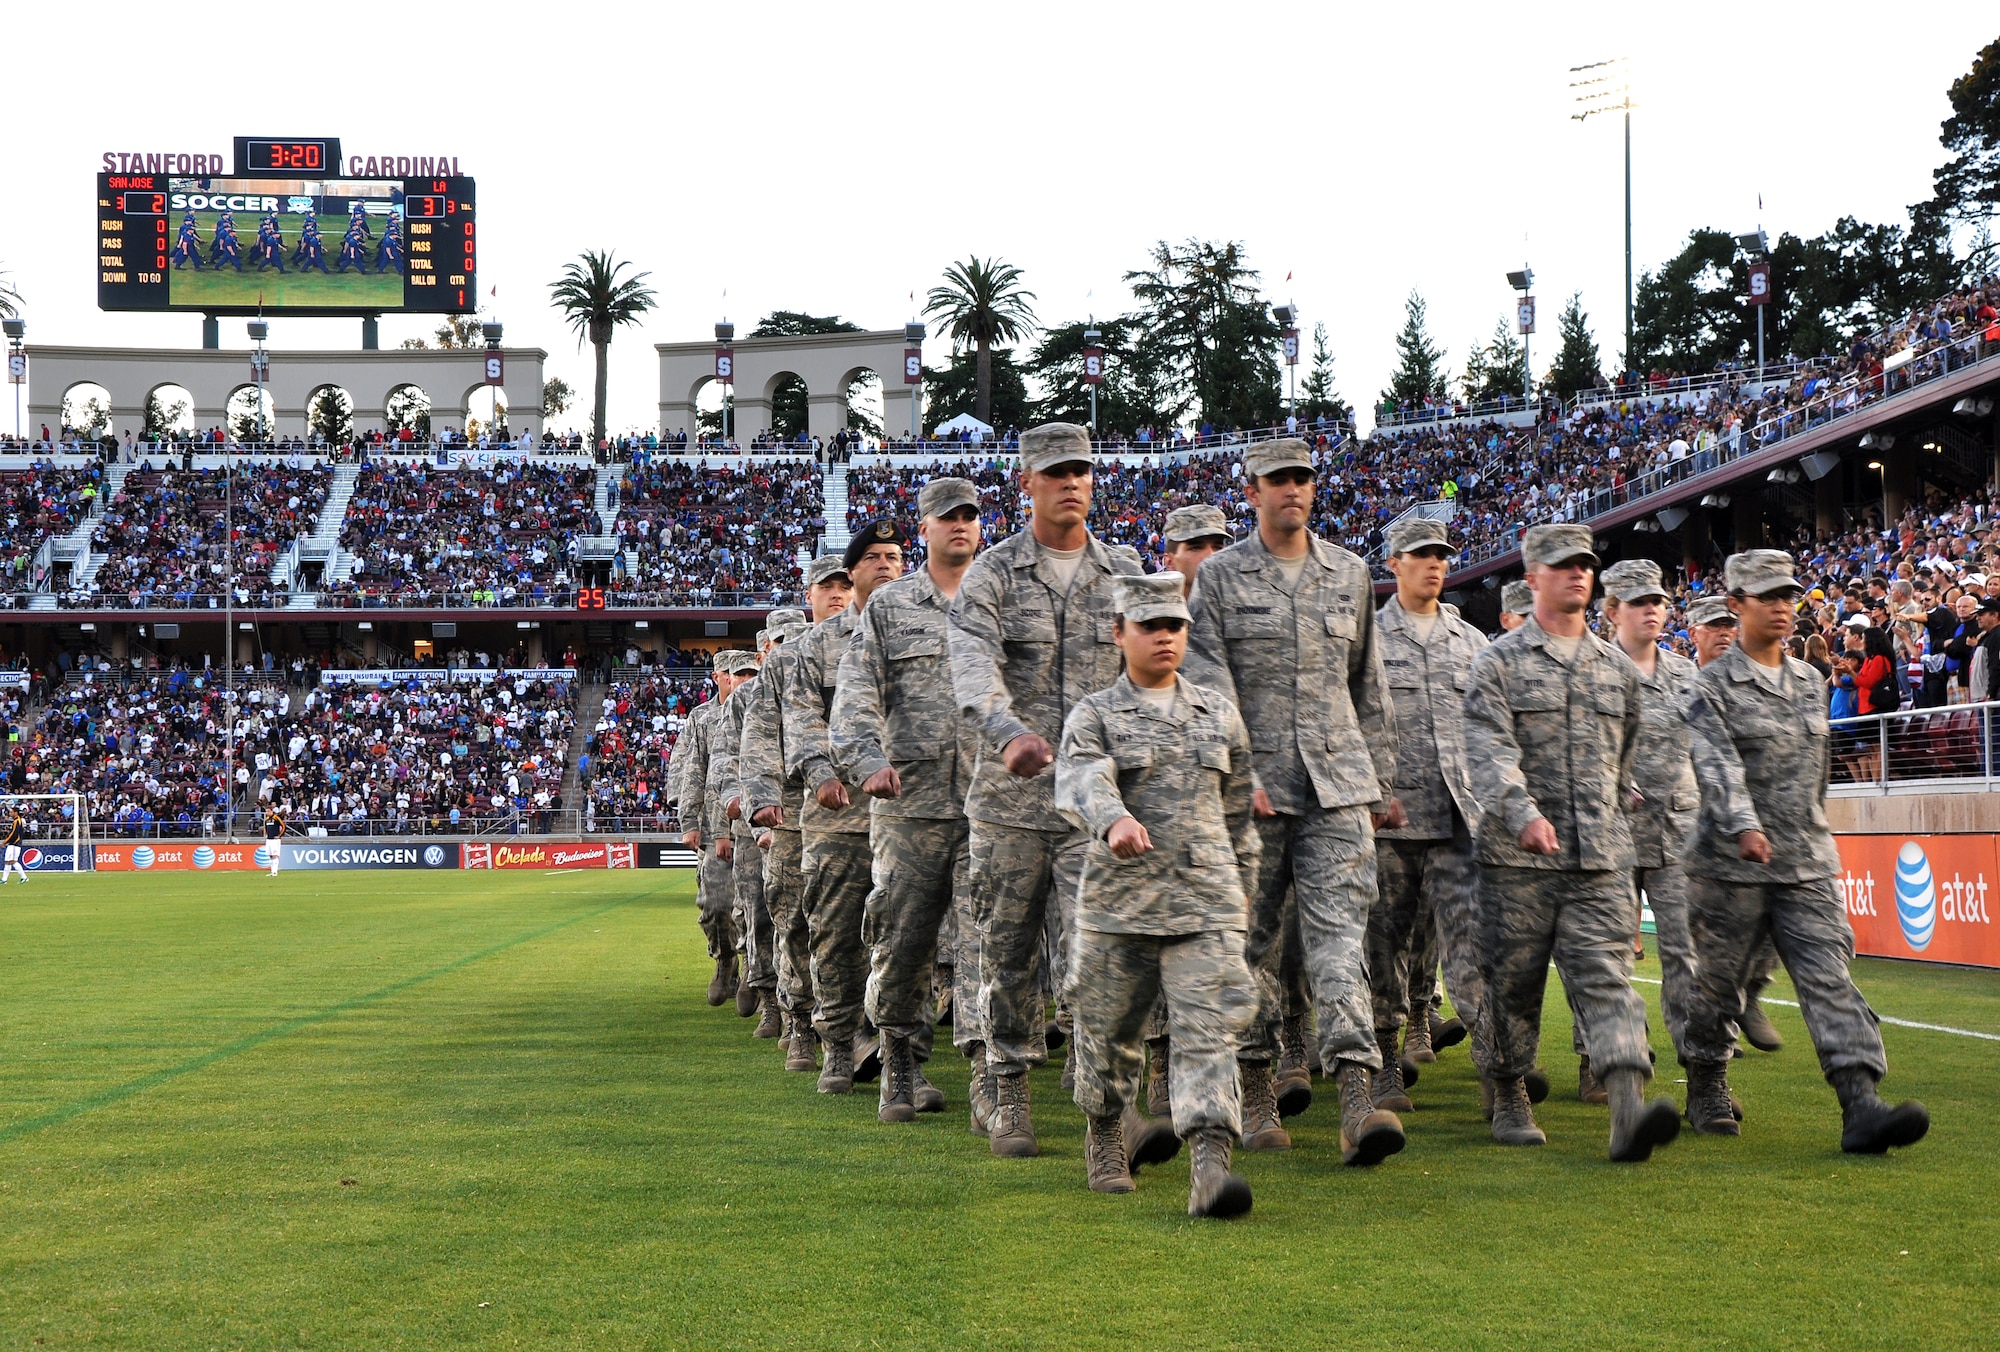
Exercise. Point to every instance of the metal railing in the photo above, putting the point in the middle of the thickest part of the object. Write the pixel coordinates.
(214, 825)
(1946, 747)
(1507, 405)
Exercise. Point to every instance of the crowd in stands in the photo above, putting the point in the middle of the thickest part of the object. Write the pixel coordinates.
(624, 764)
(145, 755)
(421, 534)
(37, 504)
(163, 535)
(692, 534)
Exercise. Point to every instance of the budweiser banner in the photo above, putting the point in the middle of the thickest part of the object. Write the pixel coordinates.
(546, 854)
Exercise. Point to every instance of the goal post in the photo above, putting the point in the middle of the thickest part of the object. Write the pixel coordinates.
(49, 819)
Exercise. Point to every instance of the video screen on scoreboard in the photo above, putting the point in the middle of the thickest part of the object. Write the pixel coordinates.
(330, 246)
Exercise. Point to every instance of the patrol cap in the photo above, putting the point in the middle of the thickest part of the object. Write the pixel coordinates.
(1407, 537)
(1198, 522)
(824, 567)
(786, 632)
(1552, 546)
(1760, 572)
(1516, 599)
(1150, 596)
(879, 532)
(1711, 610)
(1635, 580)
(735, 660)
(1053, 444)
(945, 495)
(783, 616)
(1268, 457)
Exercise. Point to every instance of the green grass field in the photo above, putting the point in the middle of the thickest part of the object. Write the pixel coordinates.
(279, 290)
(494, 1110)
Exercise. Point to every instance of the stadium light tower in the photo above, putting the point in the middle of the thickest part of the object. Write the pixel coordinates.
(913, 334)
(15, 330)
(725, 362)
(491, 330)
(1524, 281)
(1093, 347)
(1758, 247)
(1606, 87)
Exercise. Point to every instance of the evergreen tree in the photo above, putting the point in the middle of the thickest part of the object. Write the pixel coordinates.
(1206, 335)
(1968, 184)
(1319, 397)
(954, 389)
(1056, 368)
(1577, 365)
(1420, 370)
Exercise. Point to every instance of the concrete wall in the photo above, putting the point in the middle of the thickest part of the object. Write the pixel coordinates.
(827, 363)
(454, 380)
(1914, 814)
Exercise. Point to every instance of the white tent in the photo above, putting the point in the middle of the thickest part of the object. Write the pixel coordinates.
(965, 422)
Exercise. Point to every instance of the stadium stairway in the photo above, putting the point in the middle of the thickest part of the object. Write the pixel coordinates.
(589, 707)
(323, 545)
(73, 548)
(833, 492)
(602, 546)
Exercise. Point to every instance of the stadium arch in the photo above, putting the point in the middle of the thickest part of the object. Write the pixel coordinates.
(828, 363)
(176, 409)
(86, 408)
(329, 409)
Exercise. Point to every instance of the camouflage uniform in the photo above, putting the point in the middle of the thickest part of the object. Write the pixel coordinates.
(1762, 759)
(1660, 829)
(715, 897)
(1304, 665)
(835, 857)
(1024, 653)
(761, 768)
(896, 709)
(753, 918)
(1554, 739)
(1428, 879)
(1174, 918)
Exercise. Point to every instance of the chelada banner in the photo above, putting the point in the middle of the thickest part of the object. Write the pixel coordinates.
(547, 854)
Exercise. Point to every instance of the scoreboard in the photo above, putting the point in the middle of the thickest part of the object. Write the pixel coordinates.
(281, 236)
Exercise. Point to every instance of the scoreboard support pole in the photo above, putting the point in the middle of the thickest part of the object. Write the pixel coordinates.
(211, 333)
(371, 333)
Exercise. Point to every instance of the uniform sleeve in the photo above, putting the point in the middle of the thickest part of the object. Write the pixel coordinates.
(1086, 789)
(1493, 757)
(1725, 794)
(1628, 759)
(1238, 787)
(807, 753)
(1207, 663)
(973, 639)
(757, 762)
(1368, 689)
(857, 734)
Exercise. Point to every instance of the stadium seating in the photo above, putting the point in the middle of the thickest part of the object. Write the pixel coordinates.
(629, 745)
(694, 534)
(37, 504)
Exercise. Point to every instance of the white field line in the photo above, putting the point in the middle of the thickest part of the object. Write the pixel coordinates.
(1879, 1018)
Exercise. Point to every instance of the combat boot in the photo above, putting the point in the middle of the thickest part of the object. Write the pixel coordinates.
(927, 1097)
(1292, 1063)
(1445, 1032)
(1636, 1125)
(1386, 1087)
(1536, 1082)
(746, 1000)
(1159, 1082)
(799, 1045)
(1868, 1125)
(867, 1058)
(979, 1090)
(771, 1023)
(1104, 1154)
(1709, 1109)
(837, 1075)
(1368, 1134)
(1513, 1118)
(723, 984)
(898, 1094)
(1261, 1128)
(1148, 1141)
(1588, 1090)
(1417, 1040)
(1214, 1190)
(1011, 1129)
(1486, 1095)
(1757, 1028)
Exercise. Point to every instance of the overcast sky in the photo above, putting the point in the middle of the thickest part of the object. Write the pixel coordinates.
(835, 159)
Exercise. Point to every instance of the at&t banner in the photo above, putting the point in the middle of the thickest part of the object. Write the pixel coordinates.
(1925, 897)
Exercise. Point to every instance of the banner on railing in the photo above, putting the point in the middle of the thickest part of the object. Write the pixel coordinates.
(440, 675)
(664, 855)
(317, 854)
(14, 680)
(542, 854)
(170, 856)
(1927, 898)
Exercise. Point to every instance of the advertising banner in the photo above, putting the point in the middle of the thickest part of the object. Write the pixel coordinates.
(14, 680)
(440, 675)
(538, 854)
(315, 854)
(158, 855)
(1930, 898)
(656, 854)
(52, 858)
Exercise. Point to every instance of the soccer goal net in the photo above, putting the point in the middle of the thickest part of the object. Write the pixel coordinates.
(47, 820)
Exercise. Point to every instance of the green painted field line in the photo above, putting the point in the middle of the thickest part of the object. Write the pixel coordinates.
(243, 1044)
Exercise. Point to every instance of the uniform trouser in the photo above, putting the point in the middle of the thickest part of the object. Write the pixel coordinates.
(834, 868)
(1326, 859)
(715, 901)
(1808, 924)
(753, 917)
(791, 939)
(920, 870)
(1427, 906)
(1584, 920)
(1114, 980)
(1665, 892)
(958, 957)
(1020, 879)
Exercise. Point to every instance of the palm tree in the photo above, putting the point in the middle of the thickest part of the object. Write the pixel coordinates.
(10, 299)
(596, 300)
(982, 303)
